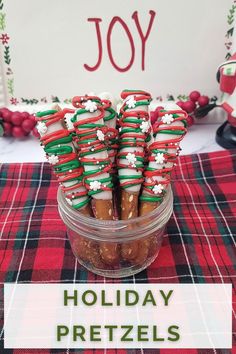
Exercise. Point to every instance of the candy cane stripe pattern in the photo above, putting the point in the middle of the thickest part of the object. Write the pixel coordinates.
(168, 132)
(58, 146)
(91, 139)
(134, 134)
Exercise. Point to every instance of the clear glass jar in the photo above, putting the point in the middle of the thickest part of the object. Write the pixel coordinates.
(87, 235)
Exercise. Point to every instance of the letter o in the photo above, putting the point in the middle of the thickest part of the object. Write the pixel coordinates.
(123, 24)
(85, 295)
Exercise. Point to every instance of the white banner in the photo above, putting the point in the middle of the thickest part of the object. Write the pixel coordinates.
(117, 316)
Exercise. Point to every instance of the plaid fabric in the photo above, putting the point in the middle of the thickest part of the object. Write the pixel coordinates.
(199, 245)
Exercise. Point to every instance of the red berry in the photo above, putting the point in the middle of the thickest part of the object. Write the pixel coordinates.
(25, 115)
(180, 104)
(36, 133)
(6, 114)
(7, 128)
(27, 125)
(33, 119)
(194, 96)
(155, 114)
(189, 106)
(32, 116)
(190, 121)
(18, 132)
(203, 101)
(16, 118)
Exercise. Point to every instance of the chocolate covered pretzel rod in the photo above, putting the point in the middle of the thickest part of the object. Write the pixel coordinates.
(91, 133)
(58, 146)
(163, 151)
(168, 132)
(134, 134)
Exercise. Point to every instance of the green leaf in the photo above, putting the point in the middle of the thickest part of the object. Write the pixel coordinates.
(7, 58)
(10, 85)
(1, 130)
(230, 32)
(55, 99)
(2, 21)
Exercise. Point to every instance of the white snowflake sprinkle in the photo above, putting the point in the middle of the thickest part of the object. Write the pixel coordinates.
(159, 158)
(131, 159)
(100, 135)
(42, 128)
(145, 126)
(158, 188)
(131, 102)
(69, 201)
(69, 123)
(90, 106)
(95, 185)
(53, 159)
(167, 118)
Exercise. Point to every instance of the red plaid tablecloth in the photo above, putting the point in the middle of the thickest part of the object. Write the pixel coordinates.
(199, 245)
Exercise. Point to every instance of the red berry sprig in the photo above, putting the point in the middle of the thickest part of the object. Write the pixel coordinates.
(195, 101)
(17, 124)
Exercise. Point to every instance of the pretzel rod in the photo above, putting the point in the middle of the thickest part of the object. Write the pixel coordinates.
(168, 132)
(134, 134)
(112, 133)
(60, 152)
(135, 129)
(91, 138)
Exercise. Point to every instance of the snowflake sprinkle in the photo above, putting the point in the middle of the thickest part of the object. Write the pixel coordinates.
(167, 118)
(159, 158)
(69, 123)
(42, 128)
(145, 126)
(53, 159)
(131, 159)
(100, 135)
(131, 102)
(69, 201)
(90, 106)
(158, 188)
(95, 185)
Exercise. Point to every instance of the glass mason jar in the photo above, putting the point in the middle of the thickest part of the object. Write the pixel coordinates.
(87, 235)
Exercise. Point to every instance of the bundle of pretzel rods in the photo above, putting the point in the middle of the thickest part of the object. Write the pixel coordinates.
(91, 146)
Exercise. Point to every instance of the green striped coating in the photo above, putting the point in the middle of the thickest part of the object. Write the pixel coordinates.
(65, 167)
(81, 204)
(112, 114)
(147, 198)
(54, 148)
(46, 113)
(138, 103)
(107, 180)
(139, 159)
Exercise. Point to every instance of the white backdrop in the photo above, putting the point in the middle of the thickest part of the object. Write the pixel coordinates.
(50, 41)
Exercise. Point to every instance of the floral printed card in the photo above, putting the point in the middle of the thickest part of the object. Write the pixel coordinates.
(52, 50)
